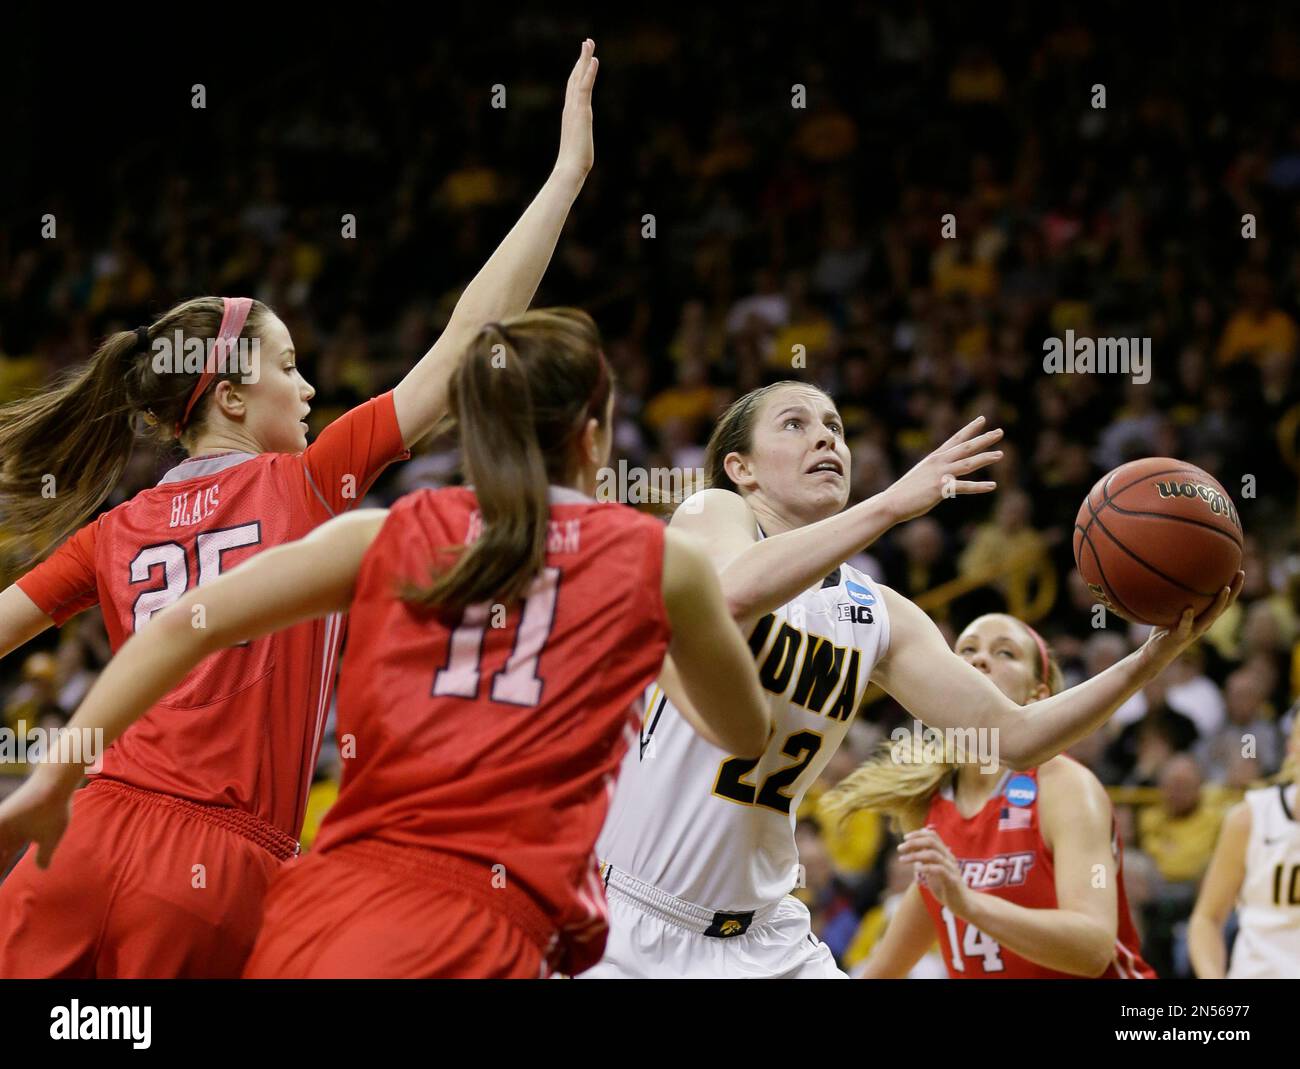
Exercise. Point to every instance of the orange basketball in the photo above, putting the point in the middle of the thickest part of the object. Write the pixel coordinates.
(1156, 536)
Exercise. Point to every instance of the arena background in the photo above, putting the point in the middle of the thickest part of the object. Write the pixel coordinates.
(774, 226)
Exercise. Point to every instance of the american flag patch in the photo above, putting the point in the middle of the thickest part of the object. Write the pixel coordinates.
(1014, 818)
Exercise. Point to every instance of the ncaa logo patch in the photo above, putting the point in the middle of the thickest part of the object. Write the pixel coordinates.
(1022, 790)
(859, 593)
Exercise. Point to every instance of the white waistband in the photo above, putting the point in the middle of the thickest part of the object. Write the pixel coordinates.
(677, 911)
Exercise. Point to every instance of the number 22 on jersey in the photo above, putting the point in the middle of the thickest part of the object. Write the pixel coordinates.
(732, 784)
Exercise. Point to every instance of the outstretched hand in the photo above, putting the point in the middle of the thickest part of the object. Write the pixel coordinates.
(1165, 644)
(577, 149)
(942, 473)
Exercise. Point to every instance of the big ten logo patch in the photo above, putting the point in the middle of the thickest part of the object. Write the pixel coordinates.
(858, 609)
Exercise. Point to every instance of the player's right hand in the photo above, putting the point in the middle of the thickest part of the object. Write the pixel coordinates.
(37, 812)
(936, 867)
(577, 149)
(942, 473)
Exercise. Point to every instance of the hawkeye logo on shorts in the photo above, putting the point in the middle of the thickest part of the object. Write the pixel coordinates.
(726, 925)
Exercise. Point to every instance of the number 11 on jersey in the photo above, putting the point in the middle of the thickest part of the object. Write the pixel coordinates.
(518, 682)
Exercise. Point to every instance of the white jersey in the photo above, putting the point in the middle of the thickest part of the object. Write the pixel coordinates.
(716, 830)
(1268, 906)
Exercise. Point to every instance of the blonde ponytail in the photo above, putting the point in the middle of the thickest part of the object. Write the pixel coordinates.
(894, 781)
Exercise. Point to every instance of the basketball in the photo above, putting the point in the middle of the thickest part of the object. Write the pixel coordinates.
(1156, 536)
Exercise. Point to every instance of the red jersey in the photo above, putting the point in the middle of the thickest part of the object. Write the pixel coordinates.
(244, 729)
(1001, 852)
(499, 740)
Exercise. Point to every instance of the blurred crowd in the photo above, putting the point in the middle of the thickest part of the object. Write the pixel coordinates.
(907, 231)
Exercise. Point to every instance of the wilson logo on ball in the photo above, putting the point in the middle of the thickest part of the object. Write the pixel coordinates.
(1211, 495)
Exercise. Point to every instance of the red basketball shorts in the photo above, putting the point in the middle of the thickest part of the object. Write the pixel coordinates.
(370, 909)
(141, 885)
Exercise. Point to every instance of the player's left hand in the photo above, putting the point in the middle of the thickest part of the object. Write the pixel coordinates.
(943, 473)
(37, 812)
(1165, 644)
(577, 149)
(936, 867)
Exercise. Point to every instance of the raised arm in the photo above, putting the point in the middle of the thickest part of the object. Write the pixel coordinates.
(759, 575)
(1219, 890)
(52, 592)
(940, 689)
(20, 619)
(506, 283)
(275, 589)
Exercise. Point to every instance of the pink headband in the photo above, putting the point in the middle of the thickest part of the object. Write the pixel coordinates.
(233, 318)
(1042, 652)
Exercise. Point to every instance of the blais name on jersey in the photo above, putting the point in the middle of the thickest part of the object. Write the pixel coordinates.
(191, 508)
